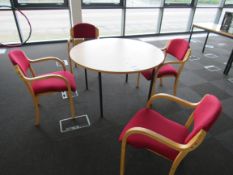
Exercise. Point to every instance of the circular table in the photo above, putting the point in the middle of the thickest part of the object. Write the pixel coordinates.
(116, 56)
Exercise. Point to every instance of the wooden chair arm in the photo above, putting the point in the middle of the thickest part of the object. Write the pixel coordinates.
(191, 145)
(49, 59)
(171, 98)
(155, 136)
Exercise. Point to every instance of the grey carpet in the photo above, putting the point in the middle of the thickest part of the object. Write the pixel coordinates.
(25, 149)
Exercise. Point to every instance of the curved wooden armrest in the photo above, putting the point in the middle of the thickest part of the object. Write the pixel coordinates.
(49, 59)
(155, 136)
(42, 77)
(191, 145)
(171, 98)
(172, 62)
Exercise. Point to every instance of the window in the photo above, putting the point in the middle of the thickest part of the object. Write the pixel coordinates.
(143, 3)
(208, 3)
(178, 2)
(24, 4)
(229, 2)
(46, 24)
(8, 29)
(5, 2)
(141, 21)
(101, 3)
(175, 20)
(107, 20)
(203, 15)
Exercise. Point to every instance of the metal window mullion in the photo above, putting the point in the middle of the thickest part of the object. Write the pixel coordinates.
(219, 12)
(192, 14)
(123, 22)
(160, 18)
(16, 22)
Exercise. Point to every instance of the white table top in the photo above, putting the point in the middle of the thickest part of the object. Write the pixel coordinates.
(116, 55)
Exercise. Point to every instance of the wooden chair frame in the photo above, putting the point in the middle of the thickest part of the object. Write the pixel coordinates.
(181, 67)
(73, 42)
(183, 149)
(28, 81)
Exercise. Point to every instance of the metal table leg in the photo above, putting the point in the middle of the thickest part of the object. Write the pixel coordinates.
(101, 96)
(86, 79)
(151, 83)
(203, 49)
(126, 78)
(229, 64)
(191, 33)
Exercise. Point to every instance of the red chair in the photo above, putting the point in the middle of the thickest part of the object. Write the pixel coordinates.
(178, 48)
(43, 84)
(79, 33)
(150, 130)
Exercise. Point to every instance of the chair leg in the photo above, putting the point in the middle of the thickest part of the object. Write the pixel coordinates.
(71, 66)
(37, 111)
(175, 85)
(138, 80)
(161, 82)
(71, 101)
(122, 161)
(176, 163)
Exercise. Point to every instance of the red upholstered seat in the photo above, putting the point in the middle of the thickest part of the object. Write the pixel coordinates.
(154, 121)
(165, 70)
(54, 84)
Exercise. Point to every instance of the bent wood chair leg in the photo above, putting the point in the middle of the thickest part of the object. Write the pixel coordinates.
(175, 85)
(71, 66)
(37, 111)
(176, 163)
(161, 81)
(71, 101)
(138, 80)
(122, 161)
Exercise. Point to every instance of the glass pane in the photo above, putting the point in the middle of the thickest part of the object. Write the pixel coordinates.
(5, 2)
(204, 15)
(175, 20)
(8, 30)
(223, 13)
(178, 1)
(227, 2)
(143, 3)
(101, 1)
(208, 3)
(46, 24)
(39, 1)
(107, 20)
(141, 21)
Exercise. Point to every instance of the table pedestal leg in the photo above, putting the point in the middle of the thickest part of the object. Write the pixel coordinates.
(101, 96)
(86, 79)
(126, 78)
(229, 64)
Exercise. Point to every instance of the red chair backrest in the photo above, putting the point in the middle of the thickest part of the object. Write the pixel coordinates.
(178, 48)
(205, 114)
(85, 30)
(19, 58)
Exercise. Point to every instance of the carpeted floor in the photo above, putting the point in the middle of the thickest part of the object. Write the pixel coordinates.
(25, 149)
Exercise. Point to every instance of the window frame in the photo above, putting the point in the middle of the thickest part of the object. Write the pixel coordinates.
(102, 5)
(41, 6)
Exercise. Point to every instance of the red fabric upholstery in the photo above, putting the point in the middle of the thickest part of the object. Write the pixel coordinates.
(178, 48)
(84, 30)
(165, 70)
(205, 115)
(54, 84)
(19, 58)
(154, 121)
